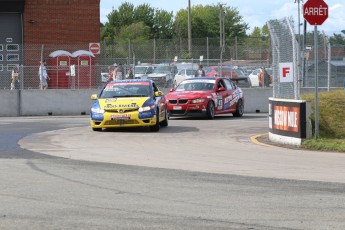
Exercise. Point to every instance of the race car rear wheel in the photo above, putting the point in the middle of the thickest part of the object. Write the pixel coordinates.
(155, 128)
(239, 109)
(210, 110)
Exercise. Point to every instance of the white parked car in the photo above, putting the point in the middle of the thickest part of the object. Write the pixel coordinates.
(254, 78)
(183, 74)
(163, 75)
(104, 76)
(142, 70)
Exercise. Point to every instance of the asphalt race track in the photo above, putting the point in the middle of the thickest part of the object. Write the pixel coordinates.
(56, 173)
(221, 146)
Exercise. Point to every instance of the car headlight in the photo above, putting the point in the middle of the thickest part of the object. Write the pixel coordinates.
(146, 108)
(199, 100)
(97, 110)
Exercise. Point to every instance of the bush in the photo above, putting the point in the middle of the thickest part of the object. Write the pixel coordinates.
(331, 112)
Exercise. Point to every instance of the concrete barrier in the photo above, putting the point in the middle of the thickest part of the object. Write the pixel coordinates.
(65, 102)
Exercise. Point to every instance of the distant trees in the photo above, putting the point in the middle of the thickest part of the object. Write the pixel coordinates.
(145, 22)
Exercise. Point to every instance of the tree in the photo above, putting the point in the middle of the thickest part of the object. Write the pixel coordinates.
(205, 22)
(128, 17)
(338, 39)
(135, 31)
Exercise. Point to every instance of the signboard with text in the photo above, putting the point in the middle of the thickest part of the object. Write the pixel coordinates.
(315, 12)
(288, 118)
(286, 72)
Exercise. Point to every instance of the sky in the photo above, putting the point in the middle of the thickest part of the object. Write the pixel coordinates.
(254, 12)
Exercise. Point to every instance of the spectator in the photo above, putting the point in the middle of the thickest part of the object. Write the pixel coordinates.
(110, 73)
(15, 78)
(43, 75)
(130, 74)
(266, 77)
(118, 71)
(200, 72)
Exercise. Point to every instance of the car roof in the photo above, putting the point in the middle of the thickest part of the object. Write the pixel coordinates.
(207, 78)
(134, 80)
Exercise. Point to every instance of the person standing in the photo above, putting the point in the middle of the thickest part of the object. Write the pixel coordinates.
(43, 75)
(110, 73)
(200, 72)
(130, 74)
(15, 78)
(120, 72)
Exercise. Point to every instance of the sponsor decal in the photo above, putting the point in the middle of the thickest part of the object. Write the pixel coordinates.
(122, 106)
(120, 116)
(110, 100)
(286, 118)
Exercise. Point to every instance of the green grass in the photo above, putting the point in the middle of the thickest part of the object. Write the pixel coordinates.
(331, 109)
(325, 144)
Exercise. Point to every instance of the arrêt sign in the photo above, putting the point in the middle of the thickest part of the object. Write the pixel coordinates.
(315, 12)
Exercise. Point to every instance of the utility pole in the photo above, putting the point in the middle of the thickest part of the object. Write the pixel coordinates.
(222, 36)
(189, 31)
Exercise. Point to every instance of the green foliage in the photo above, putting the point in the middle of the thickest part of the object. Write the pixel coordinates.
(338, 39)
(331, 109)
(138, 31)
(205, 22)
(325, 144)
(121, 23)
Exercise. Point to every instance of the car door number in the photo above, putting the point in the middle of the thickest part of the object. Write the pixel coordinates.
(220, 102)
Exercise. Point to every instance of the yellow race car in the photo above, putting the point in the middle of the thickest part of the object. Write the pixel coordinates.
(129, 103)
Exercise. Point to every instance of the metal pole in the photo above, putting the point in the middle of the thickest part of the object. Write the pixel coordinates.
(316, 84)
(304, 52)
(220, 26)
(329, 64)
(189, 31)
(154, 50)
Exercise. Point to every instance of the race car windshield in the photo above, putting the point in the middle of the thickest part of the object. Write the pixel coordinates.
(195, 86)
(112, 91)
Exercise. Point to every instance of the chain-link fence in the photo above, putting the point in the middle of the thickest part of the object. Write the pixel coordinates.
(286, 49)
(90, 71)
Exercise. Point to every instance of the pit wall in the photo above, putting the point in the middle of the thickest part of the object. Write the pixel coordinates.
(67, 102)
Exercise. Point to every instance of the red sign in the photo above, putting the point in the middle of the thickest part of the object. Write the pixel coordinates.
(315, 12)
(94, 48)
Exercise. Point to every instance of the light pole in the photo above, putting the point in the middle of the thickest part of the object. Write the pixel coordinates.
(189, 31)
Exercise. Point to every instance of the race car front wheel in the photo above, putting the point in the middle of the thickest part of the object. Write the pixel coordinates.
(155, 128)
(210, 110)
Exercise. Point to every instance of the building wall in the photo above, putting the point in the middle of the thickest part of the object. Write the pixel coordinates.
(61, 21)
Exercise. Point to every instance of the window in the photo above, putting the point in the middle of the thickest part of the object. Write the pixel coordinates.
(229, 84)
(1, 57)
(1, 67)
(1, 47)
(11, 66)
(12, 47)
(12, 57)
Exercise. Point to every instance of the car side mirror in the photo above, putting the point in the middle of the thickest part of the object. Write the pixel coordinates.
(94, 97)
(172, 90)
(221, 89)
(159, 93)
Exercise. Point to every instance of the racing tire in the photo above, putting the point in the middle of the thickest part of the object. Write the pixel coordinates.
(97, 129)
(239, 109)
(165, 122)
(155, 128)
(210, 110)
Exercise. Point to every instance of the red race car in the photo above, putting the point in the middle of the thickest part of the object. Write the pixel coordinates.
(205, 96)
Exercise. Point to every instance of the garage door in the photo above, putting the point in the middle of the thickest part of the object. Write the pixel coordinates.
(10, 46)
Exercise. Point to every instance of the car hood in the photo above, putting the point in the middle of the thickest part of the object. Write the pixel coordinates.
(187, 94)
(112, 104)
